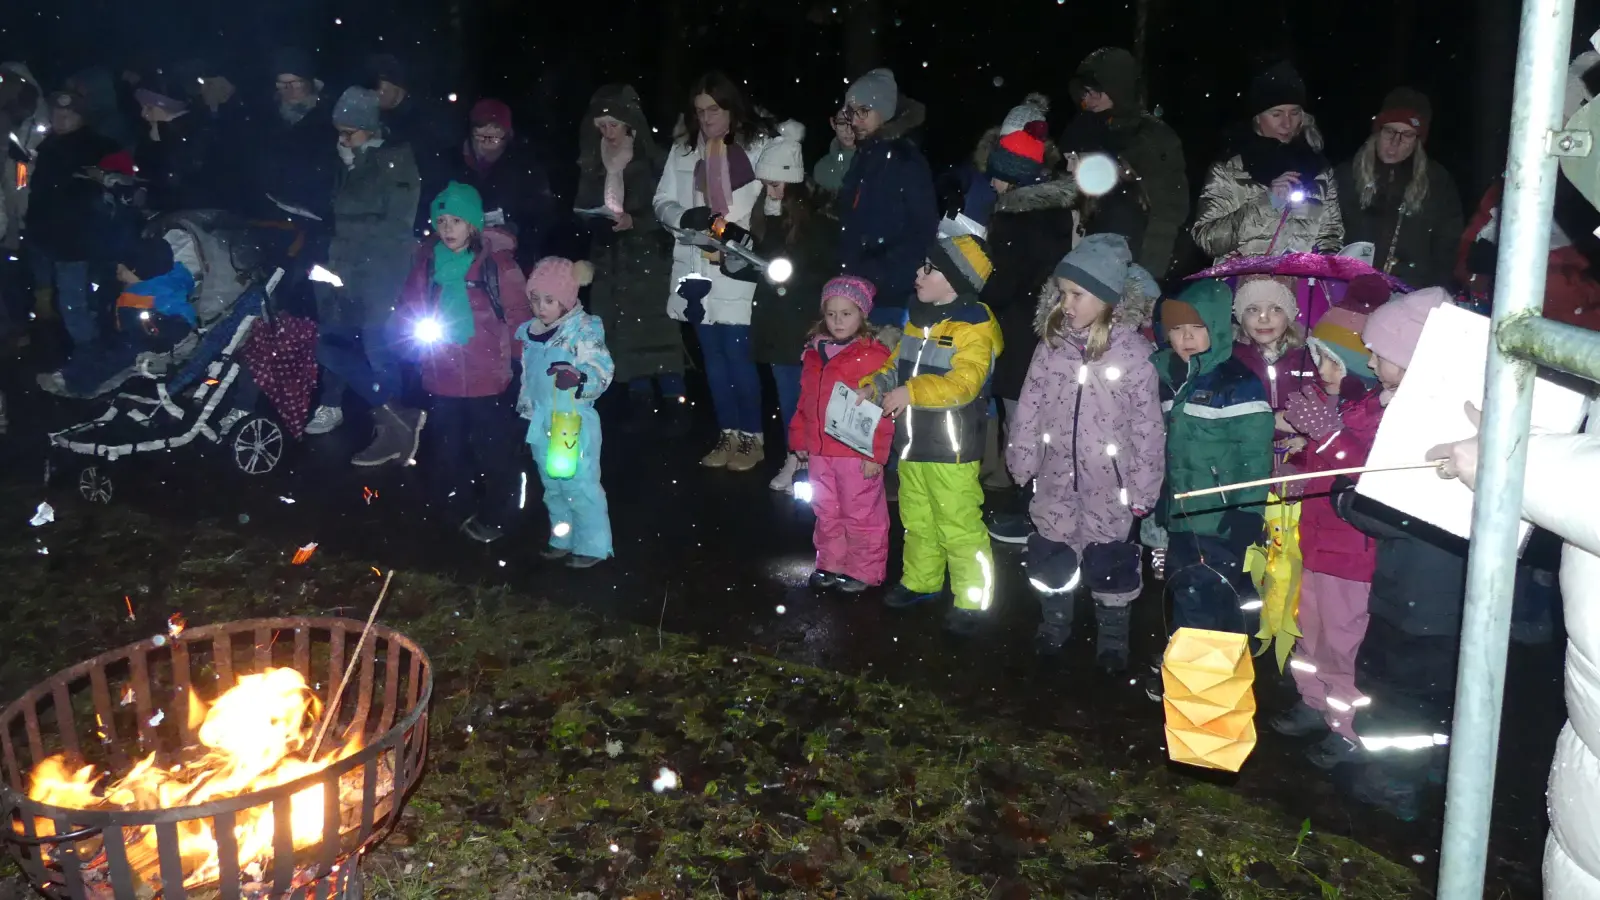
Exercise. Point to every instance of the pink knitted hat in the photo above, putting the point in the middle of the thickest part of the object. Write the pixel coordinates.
(561, 279)
(1393, 329)
(854, 288)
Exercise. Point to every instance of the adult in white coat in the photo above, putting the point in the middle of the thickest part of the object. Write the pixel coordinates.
(1561, 495)
(710, 177)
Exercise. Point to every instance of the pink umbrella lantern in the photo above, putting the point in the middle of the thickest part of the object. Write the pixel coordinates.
(1320, 280)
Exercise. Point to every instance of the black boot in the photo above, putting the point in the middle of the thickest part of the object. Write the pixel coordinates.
(1111, 643)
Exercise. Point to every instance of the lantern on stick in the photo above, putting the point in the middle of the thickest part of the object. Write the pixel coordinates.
(1207, 678)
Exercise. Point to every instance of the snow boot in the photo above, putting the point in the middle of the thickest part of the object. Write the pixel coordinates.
(481, 531)
(823, 581)
(1300, 721)
(722, 452)
(1332, 750)
(783, 482)
(1111, 641)
(397, 432)
(749, 454)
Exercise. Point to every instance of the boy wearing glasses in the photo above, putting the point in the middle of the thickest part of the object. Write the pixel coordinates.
(936, 385)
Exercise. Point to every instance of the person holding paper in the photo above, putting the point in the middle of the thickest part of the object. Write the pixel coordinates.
(852, 531)
(937, 385)
(1088, 434)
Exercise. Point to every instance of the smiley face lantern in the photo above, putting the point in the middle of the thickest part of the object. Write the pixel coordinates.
(561, 455)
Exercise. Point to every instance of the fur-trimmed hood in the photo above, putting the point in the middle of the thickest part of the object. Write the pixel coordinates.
(1133, 312)
(1059, 192)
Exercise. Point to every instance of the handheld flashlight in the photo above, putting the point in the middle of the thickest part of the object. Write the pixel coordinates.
(428, 330)
(802, 484)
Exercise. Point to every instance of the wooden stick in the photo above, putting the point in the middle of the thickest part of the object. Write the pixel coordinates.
(333, 707)
(1356, 470)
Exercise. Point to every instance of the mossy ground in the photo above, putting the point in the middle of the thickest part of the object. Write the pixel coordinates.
(549, 728)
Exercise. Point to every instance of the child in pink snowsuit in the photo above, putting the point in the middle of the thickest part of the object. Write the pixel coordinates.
(1338, 558)
(852, 532)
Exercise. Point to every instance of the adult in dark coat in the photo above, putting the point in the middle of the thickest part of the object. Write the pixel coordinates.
(1394, 196)
(173, 150)
(506, 172)
(63, 213)
(299, 162)
(432, 128)
(619, 164)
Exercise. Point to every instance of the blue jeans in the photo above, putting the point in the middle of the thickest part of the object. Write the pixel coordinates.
(786, 378)
(1208, 584)
(735, 384)
(362, 359)
(71, 281)
(671, 385)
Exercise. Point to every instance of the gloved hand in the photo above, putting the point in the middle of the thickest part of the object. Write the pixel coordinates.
(698, 218)
(1313, 415)
(566, 376)
(1242, 529)
(733, 233)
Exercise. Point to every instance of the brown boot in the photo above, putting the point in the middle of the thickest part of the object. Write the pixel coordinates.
(397, 431)
(751, 451)
(722, 452)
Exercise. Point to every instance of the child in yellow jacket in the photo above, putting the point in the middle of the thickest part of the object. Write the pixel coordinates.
(937, 386)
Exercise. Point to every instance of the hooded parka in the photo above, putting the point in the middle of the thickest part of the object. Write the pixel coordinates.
(374, 211)
(1238, 215)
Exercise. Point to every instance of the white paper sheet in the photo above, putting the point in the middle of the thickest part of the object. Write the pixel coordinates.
(1428, 409)
(851, 421)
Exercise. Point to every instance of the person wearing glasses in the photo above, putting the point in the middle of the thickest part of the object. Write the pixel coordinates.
(509, 177)
(1394, 196)
(298, 155)
(887, 209)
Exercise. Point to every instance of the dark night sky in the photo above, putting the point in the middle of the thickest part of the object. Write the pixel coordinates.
(968, 63)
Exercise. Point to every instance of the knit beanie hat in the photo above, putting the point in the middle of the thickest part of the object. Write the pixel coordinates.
(70, 100)
(1103, 265)
(357, 108)
(875, 90)
(854, 288)
(1018, 158)
(1339, 329)
(459, 200)
(383, 67)
(561, 279)
(1408, 106)
(1393, 329)
(294, 61)
(147, 258)
(963, 259)
(1264, 290)
(119, 162)
(490, 111)
(1280, 85)
(783, 159)
(1175, 312)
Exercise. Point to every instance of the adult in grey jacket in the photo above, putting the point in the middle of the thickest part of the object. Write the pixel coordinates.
(374, 205)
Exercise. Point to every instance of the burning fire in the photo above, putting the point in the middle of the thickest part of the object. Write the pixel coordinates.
(251, 739)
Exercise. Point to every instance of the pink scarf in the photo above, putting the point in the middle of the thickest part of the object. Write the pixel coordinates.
(719, 184)
(615, 158)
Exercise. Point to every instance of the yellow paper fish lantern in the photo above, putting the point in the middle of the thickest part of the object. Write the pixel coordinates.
(1207, 678)
(1276, 569)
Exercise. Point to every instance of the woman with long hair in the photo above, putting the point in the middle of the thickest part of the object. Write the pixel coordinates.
(709, 181)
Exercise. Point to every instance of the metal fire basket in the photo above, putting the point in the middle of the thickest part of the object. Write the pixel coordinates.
(111, 711)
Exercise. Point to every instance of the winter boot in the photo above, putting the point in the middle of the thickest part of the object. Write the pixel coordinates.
(1111, 642)
(1332, 750)
(1299, 722)
(963, 622)
(823, 581)
(481, 531)
(722, 452)
(325, 419)
(784, 480)
(750, 453)
(848, 585)
(902, 597)
(397, 432)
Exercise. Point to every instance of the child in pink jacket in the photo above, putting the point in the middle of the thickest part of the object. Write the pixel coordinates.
(1339, 559)
(852, 532)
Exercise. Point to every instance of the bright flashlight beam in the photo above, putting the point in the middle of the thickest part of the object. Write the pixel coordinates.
(318, 273)
(802, 491)
(780, 270)
(428, 330)
(1297, 196)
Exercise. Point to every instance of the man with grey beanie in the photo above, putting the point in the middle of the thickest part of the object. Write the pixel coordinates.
(887, 209)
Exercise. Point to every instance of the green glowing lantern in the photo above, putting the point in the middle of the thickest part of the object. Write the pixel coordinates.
(561, 456)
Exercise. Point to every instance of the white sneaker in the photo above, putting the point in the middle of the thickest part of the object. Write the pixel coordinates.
(325, 419)
(784, 480)
(227, 422)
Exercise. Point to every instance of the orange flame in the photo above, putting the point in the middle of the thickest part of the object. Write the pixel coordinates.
(252, 739)
(176, 623)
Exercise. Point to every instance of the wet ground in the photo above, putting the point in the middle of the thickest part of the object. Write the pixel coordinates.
(716, 556)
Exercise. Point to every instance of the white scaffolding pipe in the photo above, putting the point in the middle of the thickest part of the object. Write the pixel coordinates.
(1543, 47)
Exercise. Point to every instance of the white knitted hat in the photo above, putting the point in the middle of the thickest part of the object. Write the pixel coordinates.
(783, 159)
(1033, 108)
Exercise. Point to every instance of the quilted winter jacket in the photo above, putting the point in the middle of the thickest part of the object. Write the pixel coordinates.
(1219, 425)
(482, 366)
(818, 375)
(1236, 216)
(729, 300)
(1090, 434)
(946, 368)
(1559, 494)
(1329, 544)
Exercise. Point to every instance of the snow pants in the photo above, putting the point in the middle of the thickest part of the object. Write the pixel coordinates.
(580, 520)
(852, 532)
(1333, 620)
(941, 506)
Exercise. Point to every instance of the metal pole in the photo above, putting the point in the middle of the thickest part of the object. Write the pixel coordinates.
(1556, 345)
(1525, 215)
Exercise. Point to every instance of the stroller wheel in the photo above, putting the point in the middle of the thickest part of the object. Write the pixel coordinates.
(94, 486)
(257, 445)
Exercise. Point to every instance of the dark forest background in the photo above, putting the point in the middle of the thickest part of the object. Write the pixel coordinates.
(968, 62)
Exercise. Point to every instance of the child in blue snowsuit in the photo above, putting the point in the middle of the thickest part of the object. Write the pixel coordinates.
(565, 368)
